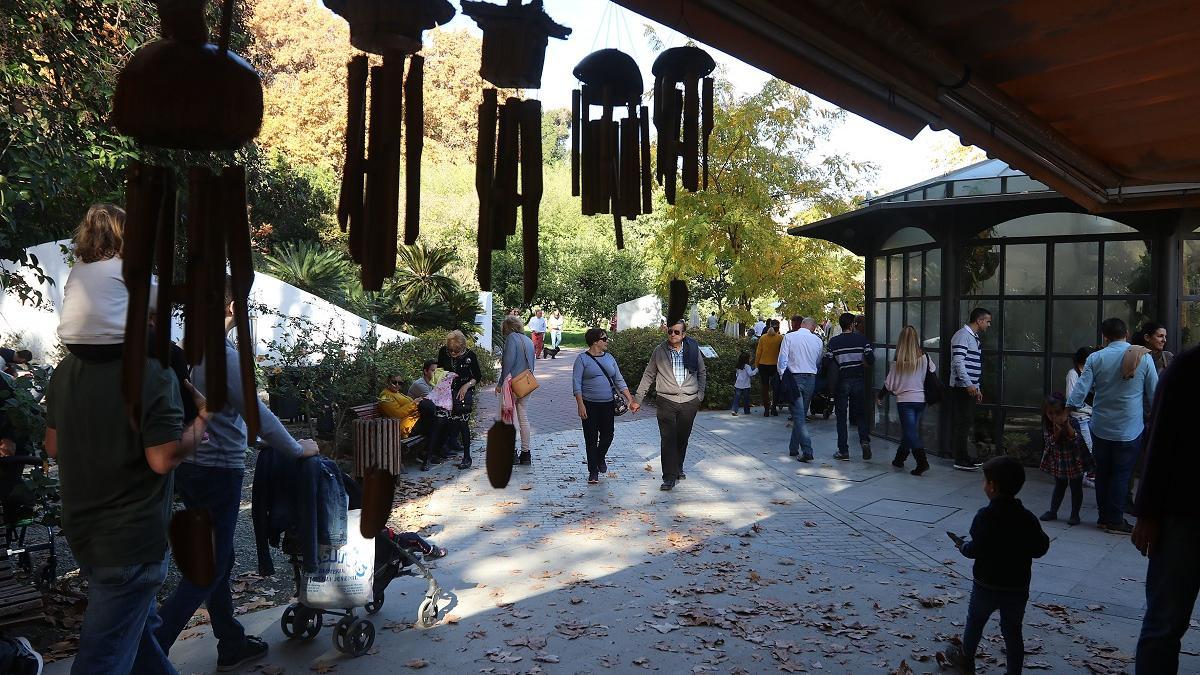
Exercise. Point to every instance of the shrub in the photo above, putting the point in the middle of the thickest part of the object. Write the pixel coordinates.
(632, 349)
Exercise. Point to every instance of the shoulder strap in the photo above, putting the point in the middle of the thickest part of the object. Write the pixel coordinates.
(611, 380)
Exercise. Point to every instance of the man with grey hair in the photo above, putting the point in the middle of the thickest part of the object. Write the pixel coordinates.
(799, 357)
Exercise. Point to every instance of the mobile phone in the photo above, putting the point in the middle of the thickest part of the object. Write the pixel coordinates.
(955, 538)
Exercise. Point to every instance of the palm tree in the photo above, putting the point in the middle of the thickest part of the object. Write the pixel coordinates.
(421, 274)
(324, 272)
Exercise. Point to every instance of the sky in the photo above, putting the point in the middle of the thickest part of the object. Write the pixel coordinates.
(598, 24)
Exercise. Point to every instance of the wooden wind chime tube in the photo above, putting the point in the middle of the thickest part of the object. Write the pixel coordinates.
(485, 171)
(644, 133)
(241, 277)
(373, 206)
(707, 128)
(691, 135)
(194, 318)
(215, 380)
(350, 199)
(144, 190)
(531, 191)
(414, 139)
(575, 138)
(676, 104)
(504, 220)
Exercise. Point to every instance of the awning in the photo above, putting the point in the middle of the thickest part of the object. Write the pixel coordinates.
(1092, 98)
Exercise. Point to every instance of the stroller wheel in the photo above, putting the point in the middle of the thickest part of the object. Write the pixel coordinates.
(360, 636)
(301, 623)
(376, 604)
(427, 614)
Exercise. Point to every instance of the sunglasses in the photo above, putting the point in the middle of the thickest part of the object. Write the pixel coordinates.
(675, 331)
(603, 338)
(396, 382)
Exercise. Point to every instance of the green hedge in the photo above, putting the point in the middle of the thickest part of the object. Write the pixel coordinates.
(632, 350)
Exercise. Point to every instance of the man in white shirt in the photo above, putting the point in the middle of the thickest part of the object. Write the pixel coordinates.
(713, 321)
(537, 326)
(759, 327)
(799, 357)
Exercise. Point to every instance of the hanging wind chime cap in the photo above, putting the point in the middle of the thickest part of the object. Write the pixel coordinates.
(614, 69)
(678, 63)
(514, 41)
(379, 26)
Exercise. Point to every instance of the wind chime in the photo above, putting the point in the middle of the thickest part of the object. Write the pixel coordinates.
(679, 112)
(183, 92)
(510, 133)
(369, 199)
(610, 159)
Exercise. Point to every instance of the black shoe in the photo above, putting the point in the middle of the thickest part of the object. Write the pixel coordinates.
(1122, 527)
(866, 448)
(806, 459)
(424, 467)
(793, 454)
(766, 413)
(24, 658)
(1073, 520)
(681, 476)
(603, 466)
(1049, 517)
(593, 478)
(842, 456)
(958, 660)
(465, 464)
(667, 485)
(922, 462)
(526, 458)
(252, 649)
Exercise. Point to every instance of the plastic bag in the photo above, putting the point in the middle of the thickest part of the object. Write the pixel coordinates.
(345, 574)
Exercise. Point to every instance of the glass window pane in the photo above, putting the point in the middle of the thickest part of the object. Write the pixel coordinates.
(1075, 325)
(937, 191)
(982, 186)
(895, 321)
(1024, 325)
(932, 329)
(906, 236)
(1189, 324)
(1126, 267)
(1023, 184)
(1023, 436)
(1191, 267)
(912, 315)
(1023, 381)
(989, 379)
(1025, 269)
(980, 270)
(880, 277)
(912, 280)
(1077, 268)
(879, 323)
(880, 367)
(1059, 224)
(1133, 312)
(895, 275)
(929, 426)
(933, 273)
(985, 431)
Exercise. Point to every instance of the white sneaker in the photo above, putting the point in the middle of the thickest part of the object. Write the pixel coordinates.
(735, 413)
(967, 467)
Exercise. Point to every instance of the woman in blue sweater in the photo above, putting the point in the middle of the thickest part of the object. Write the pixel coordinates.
(517, 358)
(596, 380)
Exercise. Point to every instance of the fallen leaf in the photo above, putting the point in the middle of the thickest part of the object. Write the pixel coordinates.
(416, 663)
(323, 667)
(809, 523)
(527, 486)
(543, 657)
(902, 669)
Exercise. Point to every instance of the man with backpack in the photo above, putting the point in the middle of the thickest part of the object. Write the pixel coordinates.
(850, 350)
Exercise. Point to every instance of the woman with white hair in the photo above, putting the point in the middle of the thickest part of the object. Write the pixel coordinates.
(454, 357)
(518, 357)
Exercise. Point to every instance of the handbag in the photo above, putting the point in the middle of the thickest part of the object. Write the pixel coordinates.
(933, 386)
(620, 407)
(524, 383)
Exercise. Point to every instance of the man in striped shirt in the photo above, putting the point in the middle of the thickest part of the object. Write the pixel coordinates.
(851, 350)
(966, 366)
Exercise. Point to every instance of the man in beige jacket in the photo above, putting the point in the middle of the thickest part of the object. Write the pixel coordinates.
(676, 371)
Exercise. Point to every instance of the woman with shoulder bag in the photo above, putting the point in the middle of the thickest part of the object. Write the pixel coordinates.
(906, 380)
(599, 389)
(518, 358)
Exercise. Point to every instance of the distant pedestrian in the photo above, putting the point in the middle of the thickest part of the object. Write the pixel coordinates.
(518, 357)
(1065, 457)
(741, 383)
(966, 371)
(1124, 378)
(537, 330)
(851, 351)
(799, 357)
(1168, 518)
(596, 381)
(766, 356)
(906, 380)
(1153, 336)
(759, 327)
(1083, 414)
(1005, 538)
(676, 371)
(713, 321)
(555, 325)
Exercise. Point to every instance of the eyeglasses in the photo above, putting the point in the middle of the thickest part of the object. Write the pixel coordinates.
(603, 338)
(675, 331)
(396, 382)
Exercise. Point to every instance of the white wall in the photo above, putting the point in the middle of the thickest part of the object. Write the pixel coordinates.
(38, 326)
(639, 313)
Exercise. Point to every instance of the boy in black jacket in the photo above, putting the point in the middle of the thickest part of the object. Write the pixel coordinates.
(1005, 538)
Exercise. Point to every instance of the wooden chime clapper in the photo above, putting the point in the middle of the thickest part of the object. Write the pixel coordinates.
(610, 159)
(514, 51)
(677, 112)
(369, 198)
(184, 92)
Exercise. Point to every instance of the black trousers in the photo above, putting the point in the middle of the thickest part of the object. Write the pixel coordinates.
(962, 411)
(597, 432)
(768, 378)
(674, 428)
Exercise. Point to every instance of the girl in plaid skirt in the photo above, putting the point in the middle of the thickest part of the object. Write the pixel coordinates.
(1065, 458)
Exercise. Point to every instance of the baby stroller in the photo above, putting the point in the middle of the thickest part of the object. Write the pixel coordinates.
(353, 634)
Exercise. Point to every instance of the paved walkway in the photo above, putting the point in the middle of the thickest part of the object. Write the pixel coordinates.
(756, 563)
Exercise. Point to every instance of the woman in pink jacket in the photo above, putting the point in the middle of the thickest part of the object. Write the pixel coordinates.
(906, 380)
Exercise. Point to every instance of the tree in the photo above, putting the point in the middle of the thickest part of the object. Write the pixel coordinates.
(289, 202)
(762, 174)
(307, 265)
(599, 280)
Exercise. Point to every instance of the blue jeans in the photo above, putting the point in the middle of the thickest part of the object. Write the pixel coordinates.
(1011, 604)
(120, 621)
(910, 425)
(555, 339)
(805, 386)
(1172, 582)
(219, 491)
(741, 396)
(850, 399)
(1114, 466)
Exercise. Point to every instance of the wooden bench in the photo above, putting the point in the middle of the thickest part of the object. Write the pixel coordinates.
(19, 600)
(378, 440)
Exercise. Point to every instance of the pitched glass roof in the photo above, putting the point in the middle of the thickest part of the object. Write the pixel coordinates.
(989, 177)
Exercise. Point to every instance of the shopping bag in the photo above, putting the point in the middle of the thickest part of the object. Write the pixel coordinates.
(344, 574)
